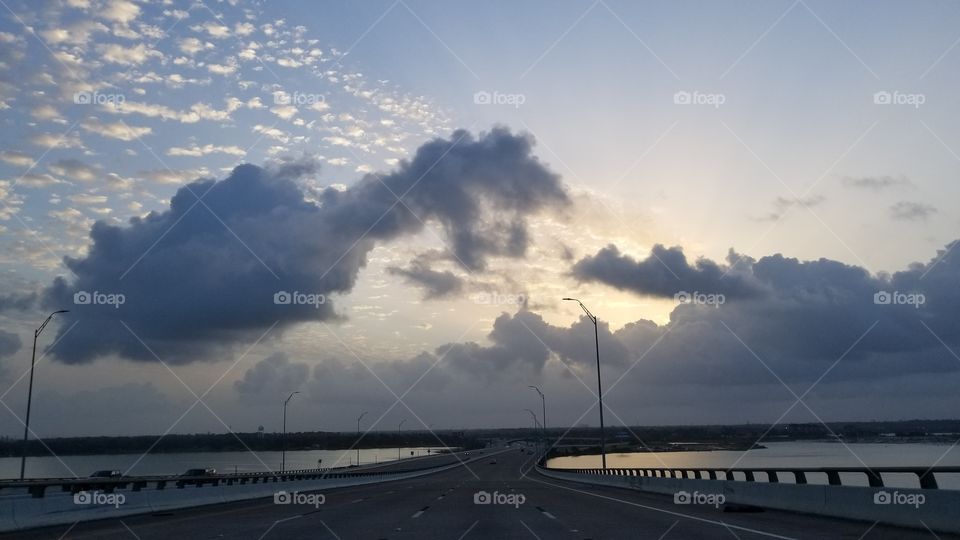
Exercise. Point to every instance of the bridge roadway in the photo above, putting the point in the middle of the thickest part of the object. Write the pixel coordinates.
(441, 506)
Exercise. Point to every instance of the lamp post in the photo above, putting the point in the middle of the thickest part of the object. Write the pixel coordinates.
(358, 436)
(596, 333)
(534, 416)
(543, 400)
(283, 452)
(33, 360)
(398, 437)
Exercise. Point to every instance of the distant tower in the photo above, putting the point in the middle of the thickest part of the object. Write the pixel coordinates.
(260, 432)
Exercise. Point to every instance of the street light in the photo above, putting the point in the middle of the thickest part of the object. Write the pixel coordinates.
(543, 401)
(358, 436)
(33, 359)
(398, 438)
(596, 333)
(535, 423)
(283, 452)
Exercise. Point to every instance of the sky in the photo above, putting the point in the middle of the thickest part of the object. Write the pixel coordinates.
(382, 204)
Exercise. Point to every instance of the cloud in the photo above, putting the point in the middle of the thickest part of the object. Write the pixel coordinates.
(197, 151)
(50, 140)
(294, 167)
(75, 169)
(782, 204)
(126, 55)
(213, 29)
(120, 11)
(666, 272)
(436, 284)
(9, 344)
(16, 158)
(255, 235)
(810, 314)
(114, 130)
(173, 176)
(875, 183)
(275, 375)
(37, 180)
(911, 211)
(193, 45)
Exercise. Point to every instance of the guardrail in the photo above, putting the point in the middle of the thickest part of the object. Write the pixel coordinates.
(927, 476)
(38, 487)
(927, 507)
(44, 502)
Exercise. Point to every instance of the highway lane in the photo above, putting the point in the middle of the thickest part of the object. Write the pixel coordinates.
(442, 505)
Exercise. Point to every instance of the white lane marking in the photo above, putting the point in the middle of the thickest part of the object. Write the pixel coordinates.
(440, 498)
(265, 533)
(548, 514)
(529, 529)
(417, 514)
(356, 501)
(655, 509)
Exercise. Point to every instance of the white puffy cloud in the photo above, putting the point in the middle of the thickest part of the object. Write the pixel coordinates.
(114, 130)
(197, 151)
(127, 56)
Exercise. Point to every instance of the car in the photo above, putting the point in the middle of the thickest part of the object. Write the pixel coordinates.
(208, 471)
(106, 473)
(493, 462)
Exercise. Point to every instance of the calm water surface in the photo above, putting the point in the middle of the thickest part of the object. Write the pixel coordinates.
(136, 464)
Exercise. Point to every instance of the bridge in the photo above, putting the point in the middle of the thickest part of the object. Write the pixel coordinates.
(497, 493)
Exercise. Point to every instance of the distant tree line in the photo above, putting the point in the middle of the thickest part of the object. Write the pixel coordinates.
(742, 434)
(230, 442)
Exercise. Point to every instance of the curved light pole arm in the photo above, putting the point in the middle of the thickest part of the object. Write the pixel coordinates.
(33, 361)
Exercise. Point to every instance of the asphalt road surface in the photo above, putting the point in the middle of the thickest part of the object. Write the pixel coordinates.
(525, 505)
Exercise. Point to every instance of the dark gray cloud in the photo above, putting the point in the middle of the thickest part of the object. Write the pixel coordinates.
(275, 374)
(436, 284)
(808, 315)
(707, 364)
(201, 277)
(18, 301)
(911, 211)
(9, 343)
(294, 167)
(666, 272)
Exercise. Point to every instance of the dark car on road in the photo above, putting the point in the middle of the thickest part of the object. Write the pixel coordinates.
(208, 471)
(106, 474)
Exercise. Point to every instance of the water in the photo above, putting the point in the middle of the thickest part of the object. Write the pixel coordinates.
(227, 462)
(798, 454)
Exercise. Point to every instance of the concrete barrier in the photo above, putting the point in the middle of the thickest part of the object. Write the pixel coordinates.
(938, 509)
(19, 510)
